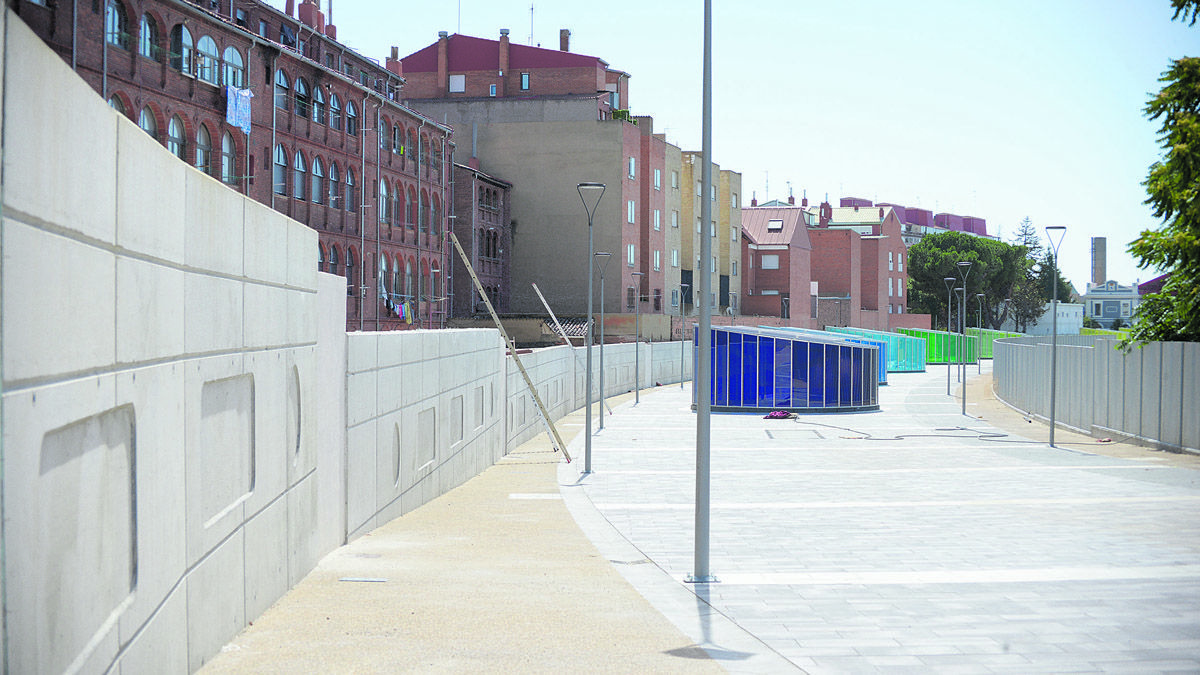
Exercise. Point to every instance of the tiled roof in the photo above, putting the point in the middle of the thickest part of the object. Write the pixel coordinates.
(755, 225)
(466, 53)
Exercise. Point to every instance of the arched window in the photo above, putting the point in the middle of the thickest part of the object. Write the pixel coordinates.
(384, 277)
(335, 190)
(148, 38)
(408, 279)
(206, 59)
(351, 119)
(279, 177)
(398, 140)
(203, 150)
(396, 277)
(383, 201)
(320, 257)
(436, 218)
(176, 141)
(228, 157)
(350, 266)
(410, 208)
(397, 215)
(335, 113)
(318, 181)
(115, 103)
(412, 150)
(298, 171)
(181, 49)
(351, 197)
(147, 123)
(281, 90)
(300, 87)
(235, 70)
(318, 106)
(333, 260)
(116, 24)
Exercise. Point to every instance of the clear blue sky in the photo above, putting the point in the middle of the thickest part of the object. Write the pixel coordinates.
(996, 109)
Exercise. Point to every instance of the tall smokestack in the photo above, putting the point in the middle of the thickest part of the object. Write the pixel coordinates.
(564, 40)
(1099, 260)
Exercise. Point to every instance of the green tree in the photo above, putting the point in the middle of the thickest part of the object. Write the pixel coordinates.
(1173, 189)
(1046, 278)
(995, 267)
(1090, 322)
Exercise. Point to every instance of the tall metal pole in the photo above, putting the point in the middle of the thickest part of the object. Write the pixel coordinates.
(700, 573)
(964, 270)
(1061, 231)
(682, 331)
(596, 189)
(637, 336)
(602, 258)
(949, 296)
(979, 325)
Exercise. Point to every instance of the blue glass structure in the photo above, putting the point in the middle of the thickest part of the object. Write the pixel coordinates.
(764, 369)
(861, 339)
(905, 353)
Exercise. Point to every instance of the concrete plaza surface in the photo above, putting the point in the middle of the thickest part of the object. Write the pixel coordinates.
(916, 539)
(912, 539)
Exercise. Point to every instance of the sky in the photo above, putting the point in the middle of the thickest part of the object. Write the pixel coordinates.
(1000, 110)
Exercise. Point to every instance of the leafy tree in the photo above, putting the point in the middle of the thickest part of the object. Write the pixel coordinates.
(1173, 189)
(1090, 322)
(1045, 271)
(1027, 236)
(1117, 324)
(1028, 303)
(995, 267)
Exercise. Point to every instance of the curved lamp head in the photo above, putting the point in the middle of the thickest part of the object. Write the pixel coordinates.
(602, 258)
(590, 194)
(1053, 231)
(949, 282)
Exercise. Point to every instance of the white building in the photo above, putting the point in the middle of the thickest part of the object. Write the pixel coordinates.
(1106, 302)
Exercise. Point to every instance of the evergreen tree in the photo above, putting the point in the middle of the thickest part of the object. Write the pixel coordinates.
(1173, 186)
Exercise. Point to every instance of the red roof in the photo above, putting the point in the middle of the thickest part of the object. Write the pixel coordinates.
(790, 230)
(466, 53)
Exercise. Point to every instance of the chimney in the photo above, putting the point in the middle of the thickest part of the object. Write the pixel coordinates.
(791, 200)
(564, 40)
(503, 61)
(311, 16)
(826, 214)
(290, 7)
(1099, 260)
(393, 64)
(331, 31)
(443, 65)
(804, 199)
(753, 199)
(881, 213)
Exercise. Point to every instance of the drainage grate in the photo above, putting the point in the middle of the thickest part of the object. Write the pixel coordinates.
(794, 435)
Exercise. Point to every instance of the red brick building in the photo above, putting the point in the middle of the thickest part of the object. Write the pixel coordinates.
(778, 261)
(326, 140)
(483, 226)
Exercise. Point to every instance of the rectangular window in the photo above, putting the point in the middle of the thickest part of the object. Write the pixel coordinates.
(658, 179)
(1096, 309)
(657, 260)
(631, 255)
(774, 225)
(713, 267)
(491, 90)
(699, 189)
(698, 228)
(675, 179)
(733, 199)
(632, 167)
(458, 84)
(712, 193)
(524, 81)
(1126, 308)
(890, 287)
(674, 257)
(768, 292)
(674, 219)
(657, 219)
(900, 261)
(675, 298)
(263, 27)
(769, 262)
(899, 288)
(632, 211)
(712, 228)
(733, 268)
(890, 264)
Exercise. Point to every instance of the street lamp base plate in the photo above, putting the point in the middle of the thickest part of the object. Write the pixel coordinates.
(708, 579)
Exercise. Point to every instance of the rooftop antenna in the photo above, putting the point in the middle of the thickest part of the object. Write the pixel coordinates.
(459, 16)
(531, 24)
(767, 191)
(789, 184)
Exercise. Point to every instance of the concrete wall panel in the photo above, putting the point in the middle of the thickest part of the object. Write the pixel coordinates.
(214, 311)
(1170, 429)
(216, 608)
(1190, 421)
(266, 562)
(149, 316)
(142, 168)
(162, 646)
(81, 288)
(213, 226)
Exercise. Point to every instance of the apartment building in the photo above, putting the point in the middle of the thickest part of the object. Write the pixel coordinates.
(723, 229)
(272, 105)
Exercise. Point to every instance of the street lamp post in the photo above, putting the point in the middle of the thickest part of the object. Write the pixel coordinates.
(964, 270)
(949, 296)
(979, 325)
(682, 331)
(592, 192)
(602, 258)
(1061, 231)
(637, 336)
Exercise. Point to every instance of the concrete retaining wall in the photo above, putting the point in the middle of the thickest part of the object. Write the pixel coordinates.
(1151, 394)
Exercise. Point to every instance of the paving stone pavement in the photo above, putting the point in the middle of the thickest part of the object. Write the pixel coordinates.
(913, 539)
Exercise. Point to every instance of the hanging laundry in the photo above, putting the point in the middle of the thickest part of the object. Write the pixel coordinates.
(237, 107)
